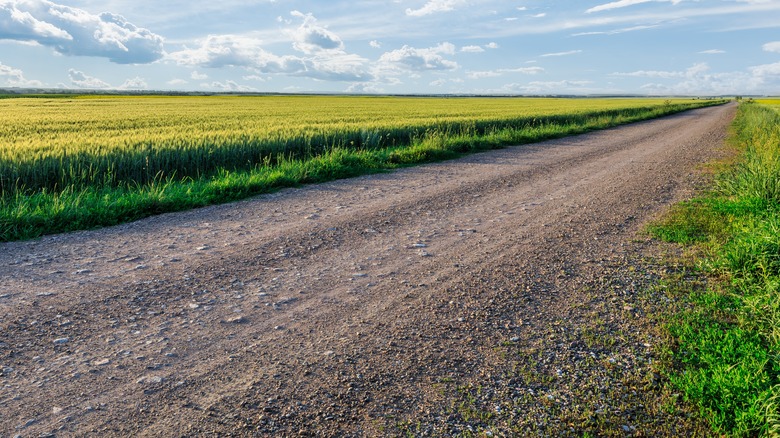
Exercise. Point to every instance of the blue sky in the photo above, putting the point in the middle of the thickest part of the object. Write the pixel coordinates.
(655, 47)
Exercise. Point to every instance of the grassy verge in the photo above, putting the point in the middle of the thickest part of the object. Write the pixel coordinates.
(724, 350)
(26, 214)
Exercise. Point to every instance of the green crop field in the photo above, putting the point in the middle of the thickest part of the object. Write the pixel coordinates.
(79, 162)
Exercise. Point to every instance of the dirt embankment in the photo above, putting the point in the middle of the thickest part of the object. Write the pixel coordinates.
(497, 293)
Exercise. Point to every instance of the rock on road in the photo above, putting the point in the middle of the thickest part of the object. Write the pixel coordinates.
(475, 294)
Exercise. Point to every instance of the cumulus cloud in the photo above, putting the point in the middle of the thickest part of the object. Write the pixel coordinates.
(774, 46)
(433, 7)
(217, 51)
(311, 38)
(766, 71)
(136, 83)
(699, 79)
(472, 49)
(375, 44)
(198, 76)
(323, 56)
(72, 31)
(81, 80)
(13, 77)
(228, 86)
(413, 59)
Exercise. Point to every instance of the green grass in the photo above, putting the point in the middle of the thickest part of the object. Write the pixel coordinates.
(79, 171)
(725, 350)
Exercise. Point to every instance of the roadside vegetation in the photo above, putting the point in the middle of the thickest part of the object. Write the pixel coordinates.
(724, 330)
(83, 162)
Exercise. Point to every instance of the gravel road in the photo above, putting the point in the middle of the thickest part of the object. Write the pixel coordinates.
(500, 294)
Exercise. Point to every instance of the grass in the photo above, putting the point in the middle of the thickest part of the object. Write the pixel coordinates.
(80, 163)
(724, 350)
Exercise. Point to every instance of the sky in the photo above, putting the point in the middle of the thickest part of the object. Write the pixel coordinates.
(531, 47)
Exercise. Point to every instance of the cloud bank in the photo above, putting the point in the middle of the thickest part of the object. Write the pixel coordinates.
(72, 31)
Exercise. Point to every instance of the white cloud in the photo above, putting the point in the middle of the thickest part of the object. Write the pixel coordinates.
(177, 81)
(72, 31)
(550, 87)
(691, 72)
(766, 70)
(375, 44)
(237, 51)
(311, 38)
(81, 80)
(625, 3)
(570, 52)
(618, 31)
(434, 6)
(540, 15)
(230, 86)
(712, 52)
(472, 49)
(412, 59)
(254, 78)
(699, 80)
(136, 83)
(774, 46)
(14, 77)
(218, 51)
(492, 46)
(502, 71)
(195, 75)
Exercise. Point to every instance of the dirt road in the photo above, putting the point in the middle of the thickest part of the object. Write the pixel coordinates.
(499, 294)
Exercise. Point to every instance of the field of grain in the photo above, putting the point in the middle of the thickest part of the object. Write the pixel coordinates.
(74, 162)
(54, 143)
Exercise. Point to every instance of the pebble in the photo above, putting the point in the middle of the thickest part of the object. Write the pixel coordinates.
(60, 341)
(235, 320)
(515, 339)
(153, 379)
(28, 423)
(102, 362)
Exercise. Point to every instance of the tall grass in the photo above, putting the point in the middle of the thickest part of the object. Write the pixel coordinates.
(72, 164)
(726, 356)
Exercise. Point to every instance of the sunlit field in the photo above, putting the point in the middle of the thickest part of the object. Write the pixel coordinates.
(97, 153)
